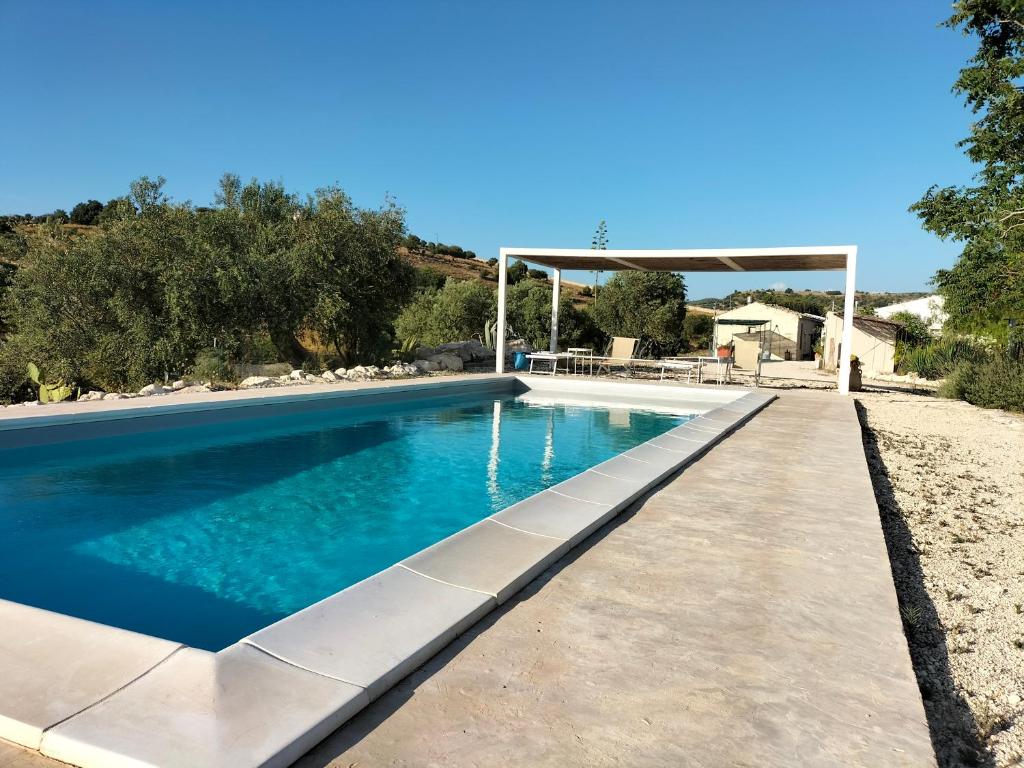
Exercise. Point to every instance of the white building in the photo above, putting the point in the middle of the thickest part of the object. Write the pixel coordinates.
(928, 308)
(785, 334)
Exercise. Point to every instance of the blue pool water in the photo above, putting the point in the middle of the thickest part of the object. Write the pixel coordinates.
(206, 533)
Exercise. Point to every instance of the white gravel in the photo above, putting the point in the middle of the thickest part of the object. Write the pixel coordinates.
(949, 479)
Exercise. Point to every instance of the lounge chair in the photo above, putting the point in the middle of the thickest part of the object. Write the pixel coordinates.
(622, 352)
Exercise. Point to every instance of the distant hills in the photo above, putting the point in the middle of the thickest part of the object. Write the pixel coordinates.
(812, 302)
(445, 261)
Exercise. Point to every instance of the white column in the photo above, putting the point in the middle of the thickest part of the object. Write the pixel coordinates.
(499, 343)
(555, 296)
(848, 309)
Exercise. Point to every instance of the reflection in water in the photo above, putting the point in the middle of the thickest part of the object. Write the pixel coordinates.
(493, 489)
(548, 458)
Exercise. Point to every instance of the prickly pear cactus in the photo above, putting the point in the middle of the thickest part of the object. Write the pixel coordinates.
(48, 393)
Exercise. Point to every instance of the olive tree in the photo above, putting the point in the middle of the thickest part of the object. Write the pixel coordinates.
(459, 311)
(645, 305)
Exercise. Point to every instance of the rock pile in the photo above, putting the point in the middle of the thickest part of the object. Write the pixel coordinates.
(447, 357)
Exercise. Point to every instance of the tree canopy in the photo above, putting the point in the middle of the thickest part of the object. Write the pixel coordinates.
(644, 305)
(159, 282)
(86, 213)
(985, 287)
(528, 312)
(458, 311)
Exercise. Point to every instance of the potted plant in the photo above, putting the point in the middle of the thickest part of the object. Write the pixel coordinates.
(819, 350)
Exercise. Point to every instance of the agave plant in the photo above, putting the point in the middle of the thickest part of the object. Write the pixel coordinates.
(406, 351)
(49, 393)
(490, 332)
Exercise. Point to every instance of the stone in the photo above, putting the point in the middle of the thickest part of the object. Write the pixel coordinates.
(31, 403)
(152, 389)
(193, 388)
(92, 394)
(256, 381)
(297, 374)
(448, 361)
(114, 396)
(328, 376)
(239, 707)
(377, 631)
(179, 385)
(471, 351)
(312, 379)
(488, 557)
(245, 370)
(425, 353)
(558, 516)
(426, 366)
(54, 666)
(340, 372)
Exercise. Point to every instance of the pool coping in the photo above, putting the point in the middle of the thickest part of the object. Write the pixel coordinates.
(274, 694)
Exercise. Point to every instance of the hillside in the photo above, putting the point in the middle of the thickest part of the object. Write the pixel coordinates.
(420, 254)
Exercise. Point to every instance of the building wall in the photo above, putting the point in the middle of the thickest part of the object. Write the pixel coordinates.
(798, 332)
(876, 354)
(928, 308)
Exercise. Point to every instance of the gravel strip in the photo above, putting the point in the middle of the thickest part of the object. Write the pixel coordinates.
(949, 479)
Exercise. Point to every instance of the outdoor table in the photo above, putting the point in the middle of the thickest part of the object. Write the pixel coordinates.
(582, 356)
(723, 366)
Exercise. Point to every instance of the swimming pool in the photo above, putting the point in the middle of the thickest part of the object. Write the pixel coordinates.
(205, 533)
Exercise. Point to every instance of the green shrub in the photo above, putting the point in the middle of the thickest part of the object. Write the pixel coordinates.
(15, 386)
(697, 331)
(914, 330)
(517, 271)
(939, 358)
(994, 383)
(457, 312)
(212, 365)
(429, 279)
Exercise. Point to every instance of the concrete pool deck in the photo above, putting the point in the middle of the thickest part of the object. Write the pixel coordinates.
(762, 631)
(742, 615)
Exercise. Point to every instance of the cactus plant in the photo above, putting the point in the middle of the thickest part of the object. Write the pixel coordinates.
(48, 393)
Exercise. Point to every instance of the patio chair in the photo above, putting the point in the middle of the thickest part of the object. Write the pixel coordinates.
(622, 352)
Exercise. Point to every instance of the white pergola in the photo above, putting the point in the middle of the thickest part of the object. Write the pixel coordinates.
(802, 259)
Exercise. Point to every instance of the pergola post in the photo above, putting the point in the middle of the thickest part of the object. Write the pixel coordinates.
(846, 341)
(555, 296)
(499, 343)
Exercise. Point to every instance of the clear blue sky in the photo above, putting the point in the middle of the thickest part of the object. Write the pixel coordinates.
(511, 123)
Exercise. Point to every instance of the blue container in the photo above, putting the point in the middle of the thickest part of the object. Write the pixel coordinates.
(519, 361)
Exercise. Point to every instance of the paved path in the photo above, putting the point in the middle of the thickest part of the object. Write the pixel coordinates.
(743, 615)
(731, 621)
